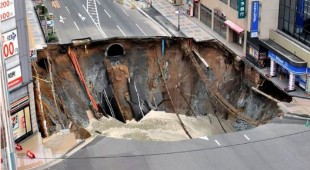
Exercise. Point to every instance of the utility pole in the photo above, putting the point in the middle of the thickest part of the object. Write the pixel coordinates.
(5, 124)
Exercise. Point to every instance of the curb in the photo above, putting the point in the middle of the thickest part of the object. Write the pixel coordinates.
(145, 14)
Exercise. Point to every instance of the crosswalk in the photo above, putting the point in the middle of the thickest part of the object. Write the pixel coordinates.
(55, 4)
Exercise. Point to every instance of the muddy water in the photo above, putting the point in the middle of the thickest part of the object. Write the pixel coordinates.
(158, 126)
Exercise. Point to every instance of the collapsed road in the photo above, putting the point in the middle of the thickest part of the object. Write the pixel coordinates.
(204, 87)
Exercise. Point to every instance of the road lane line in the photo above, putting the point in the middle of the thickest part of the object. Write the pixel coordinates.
(246, 137)
(107, 13)
(98, 2)
(217, 142)
(96, 24)
(204, 137)
(76, 26)
(125, 12)
(141, 30)
(121, 30)
(68, 10)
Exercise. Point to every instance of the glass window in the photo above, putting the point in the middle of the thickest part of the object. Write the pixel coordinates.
(205, 15)
(234, 4)
(294, 19)
(219, 25)
(224, 1)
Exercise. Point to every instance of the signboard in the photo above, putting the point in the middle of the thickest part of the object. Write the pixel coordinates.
(7, 9)
(9, 44)
(14, 77)
(241, 9)
(254, 19)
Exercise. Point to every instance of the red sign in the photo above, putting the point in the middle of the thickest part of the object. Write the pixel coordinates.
(10, 44)
(14, 77)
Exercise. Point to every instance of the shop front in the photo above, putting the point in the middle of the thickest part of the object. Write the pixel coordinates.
(286, 65)
(255, 53)
(236, 33)
(21, 119)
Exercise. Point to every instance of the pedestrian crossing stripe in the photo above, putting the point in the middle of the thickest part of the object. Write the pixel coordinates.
(55, 4)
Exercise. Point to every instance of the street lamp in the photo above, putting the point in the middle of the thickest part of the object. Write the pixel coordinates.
(178, 13)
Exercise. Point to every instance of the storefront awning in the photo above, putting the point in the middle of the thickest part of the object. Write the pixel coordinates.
(234, 26)
(284, 58)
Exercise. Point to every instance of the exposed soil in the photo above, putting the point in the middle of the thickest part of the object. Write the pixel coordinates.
(144, 79)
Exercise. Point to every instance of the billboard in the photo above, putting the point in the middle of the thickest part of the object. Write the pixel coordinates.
(7, 9)
(9, 44)
(254, 19)
(14, 77)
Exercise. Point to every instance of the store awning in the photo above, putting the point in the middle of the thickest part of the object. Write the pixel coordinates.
(284, 58)
(234, 26)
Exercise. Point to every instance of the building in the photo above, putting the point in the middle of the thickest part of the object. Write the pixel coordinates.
(271, 34)
(17, 65)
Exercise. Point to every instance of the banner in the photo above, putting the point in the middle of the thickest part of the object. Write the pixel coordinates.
(241, 9)
(254, 19)
(300, 15)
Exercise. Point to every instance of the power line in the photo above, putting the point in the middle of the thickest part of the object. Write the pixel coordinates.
(175, 152)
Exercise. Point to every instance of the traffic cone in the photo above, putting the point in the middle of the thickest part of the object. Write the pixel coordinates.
(30, 154)
(18, 147)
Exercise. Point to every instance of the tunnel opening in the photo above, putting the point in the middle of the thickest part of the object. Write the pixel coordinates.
(115, 50)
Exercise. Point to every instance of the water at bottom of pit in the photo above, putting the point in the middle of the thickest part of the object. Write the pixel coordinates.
(160, 126)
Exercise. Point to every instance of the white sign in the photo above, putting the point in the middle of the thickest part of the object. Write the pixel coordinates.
(10, 44)
(14, 77)
(7, 9)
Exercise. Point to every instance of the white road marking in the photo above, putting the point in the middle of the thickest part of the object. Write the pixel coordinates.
(97, 24)
(76, 26)
(68, 10)
(141, 30)
(81, 16)
(61, 19)
(125, 12)
(246, 137)
(204, 137)
(217, 142)
(98, 2)
(107, 13)
(121, 30)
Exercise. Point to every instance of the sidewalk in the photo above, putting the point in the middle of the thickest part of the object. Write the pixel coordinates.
(187, 26)
(36, 36)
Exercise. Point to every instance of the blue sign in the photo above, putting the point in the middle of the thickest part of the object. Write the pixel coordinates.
(300, 14)
(254, 19)
(287, 66)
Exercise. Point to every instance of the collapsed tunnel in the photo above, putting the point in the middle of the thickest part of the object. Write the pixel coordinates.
(129, 83)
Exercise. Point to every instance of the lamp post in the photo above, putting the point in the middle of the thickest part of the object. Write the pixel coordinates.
(179, 17)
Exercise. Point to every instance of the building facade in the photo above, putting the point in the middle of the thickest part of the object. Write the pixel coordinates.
(17, 67)
(271, 34)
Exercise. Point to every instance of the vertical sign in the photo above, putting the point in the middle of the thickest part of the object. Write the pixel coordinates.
(9, 44)
(254, 19)
(300, 15)
(241, 9)
(14, 77)
(6, 9)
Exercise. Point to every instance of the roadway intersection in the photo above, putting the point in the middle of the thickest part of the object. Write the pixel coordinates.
(98, 19)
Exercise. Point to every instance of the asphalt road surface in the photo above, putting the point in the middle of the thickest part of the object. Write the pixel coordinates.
(99, 19)
(281, 145)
